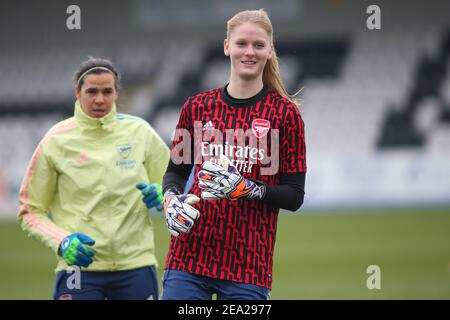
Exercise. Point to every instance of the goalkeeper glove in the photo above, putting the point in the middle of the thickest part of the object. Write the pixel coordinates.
(151, 195)
(223, 181)
(72, 248)
(180, 215)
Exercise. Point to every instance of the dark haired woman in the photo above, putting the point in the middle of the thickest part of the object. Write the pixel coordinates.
(79, 195)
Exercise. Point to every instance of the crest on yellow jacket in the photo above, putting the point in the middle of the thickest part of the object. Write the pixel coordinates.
(124, 150)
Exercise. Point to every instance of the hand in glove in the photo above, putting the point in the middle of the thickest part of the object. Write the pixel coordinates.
(180, 214)
(223, 181)
(151, 195)
(74, 250)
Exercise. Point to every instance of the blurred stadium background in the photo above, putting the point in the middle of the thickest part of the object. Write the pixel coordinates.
(376, 104)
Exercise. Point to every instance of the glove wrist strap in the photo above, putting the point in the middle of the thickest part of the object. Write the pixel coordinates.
(260, 191)
(172, 191)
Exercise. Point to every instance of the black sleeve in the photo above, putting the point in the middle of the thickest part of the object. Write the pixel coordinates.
(289, 194)
(176, 176)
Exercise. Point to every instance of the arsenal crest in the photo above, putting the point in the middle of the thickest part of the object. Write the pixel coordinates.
(124, 150)
(260, 127)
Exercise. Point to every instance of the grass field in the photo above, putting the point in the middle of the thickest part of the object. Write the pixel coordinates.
(317, 256)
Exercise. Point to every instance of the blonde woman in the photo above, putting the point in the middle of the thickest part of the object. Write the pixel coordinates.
(249, 161)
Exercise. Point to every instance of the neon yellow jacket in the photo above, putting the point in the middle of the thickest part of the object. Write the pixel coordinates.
(82, 178)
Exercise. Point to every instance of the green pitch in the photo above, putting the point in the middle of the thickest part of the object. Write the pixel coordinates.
(317, 256)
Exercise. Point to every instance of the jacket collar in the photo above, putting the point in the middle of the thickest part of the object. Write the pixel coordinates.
(89, 123)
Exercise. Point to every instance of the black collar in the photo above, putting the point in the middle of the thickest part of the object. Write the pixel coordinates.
(241, 102)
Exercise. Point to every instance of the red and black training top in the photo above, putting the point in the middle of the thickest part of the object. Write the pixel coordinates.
(264, 135)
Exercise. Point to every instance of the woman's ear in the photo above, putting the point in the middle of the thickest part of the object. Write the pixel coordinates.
(271, 52)
(77, 93)
(225, 47)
